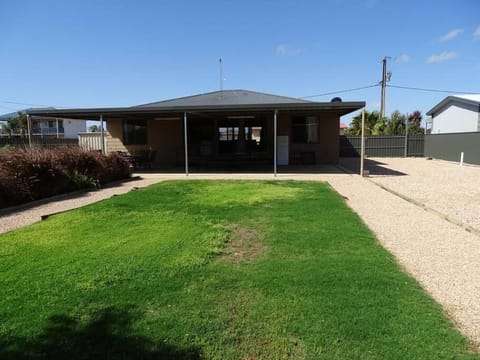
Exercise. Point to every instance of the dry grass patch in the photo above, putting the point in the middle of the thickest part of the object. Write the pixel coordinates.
(245, 245)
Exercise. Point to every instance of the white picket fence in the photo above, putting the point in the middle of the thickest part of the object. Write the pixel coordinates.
(91, 141)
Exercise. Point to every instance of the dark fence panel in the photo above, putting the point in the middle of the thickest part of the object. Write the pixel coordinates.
(382, 146)
(450, 146)
(44, 142)
(416, 145)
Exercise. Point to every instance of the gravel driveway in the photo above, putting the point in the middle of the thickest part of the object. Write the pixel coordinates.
(446, 187)
(442, 256)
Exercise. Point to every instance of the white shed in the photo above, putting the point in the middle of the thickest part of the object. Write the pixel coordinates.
(454, 114)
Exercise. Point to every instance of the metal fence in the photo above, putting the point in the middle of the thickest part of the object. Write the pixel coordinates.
(44, 142)
(451, 146)
(382, 146)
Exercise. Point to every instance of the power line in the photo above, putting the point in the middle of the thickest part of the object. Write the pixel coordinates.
(432, 90)
(340, 91)
(20, 103)
(9, 108)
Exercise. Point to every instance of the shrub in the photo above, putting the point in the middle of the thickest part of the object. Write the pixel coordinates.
(32, 174)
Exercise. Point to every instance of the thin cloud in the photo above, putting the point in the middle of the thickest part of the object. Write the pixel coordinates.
(402, 59)
(444, 56)
(452, 34)
(283, 50)
(476, 33)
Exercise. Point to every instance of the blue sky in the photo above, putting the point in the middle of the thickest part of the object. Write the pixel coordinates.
(120, 53)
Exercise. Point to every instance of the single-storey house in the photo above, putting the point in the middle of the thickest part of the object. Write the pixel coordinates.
(454, 114)
(222, 128)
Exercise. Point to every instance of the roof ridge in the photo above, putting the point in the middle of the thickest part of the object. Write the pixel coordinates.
(219, 92)
(180, 98)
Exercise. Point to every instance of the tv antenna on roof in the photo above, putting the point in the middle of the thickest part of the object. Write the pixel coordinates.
(220, 62)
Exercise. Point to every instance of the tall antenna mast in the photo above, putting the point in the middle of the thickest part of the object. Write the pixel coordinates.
(221, 73)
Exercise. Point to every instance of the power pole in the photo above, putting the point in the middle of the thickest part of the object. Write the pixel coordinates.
(384, 85)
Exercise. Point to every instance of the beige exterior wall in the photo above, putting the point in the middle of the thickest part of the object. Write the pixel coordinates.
(114, 136)
(163, 136)
(326, 150)
(166, 137)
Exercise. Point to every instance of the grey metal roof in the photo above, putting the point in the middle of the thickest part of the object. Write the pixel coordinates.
(219, 101)
(9, 115)
(472, 99)
(224, 98)
(14, 114)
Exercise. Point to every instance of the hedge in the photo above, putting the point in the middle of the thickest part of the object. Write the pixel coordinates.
(32, 174)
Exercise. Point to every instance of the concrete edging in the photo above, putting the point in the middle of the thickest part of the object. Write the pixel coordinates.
(35, 203)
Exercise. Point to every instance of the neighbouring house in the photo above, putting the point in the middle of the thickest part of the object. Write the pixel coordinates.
(223, 128)
(343, 127)
(454, 114)
(455, 131)
(48, 126)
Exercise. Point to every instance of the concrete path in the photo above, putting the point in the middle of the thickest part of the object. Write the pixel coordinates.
(29, 214)
(443, 257)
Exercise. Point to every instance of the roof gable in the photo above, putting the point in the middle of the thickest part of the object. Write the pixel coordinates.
(225, 98)
(471, 99)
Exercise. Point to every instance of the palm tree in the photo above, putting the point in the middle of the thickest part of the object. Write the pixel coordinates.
(374, 124)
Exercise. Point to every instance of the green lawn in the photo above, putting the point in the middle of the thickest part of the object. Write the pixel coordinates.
(214, 270)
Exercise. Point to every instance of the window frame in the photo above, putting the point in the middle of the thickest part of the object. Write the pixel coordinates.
(135, 128)
(300, 129)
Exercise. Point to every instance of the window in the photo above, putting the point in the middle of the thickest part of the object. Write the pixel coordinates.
(305, 129)
(227, 133)
(135, 132)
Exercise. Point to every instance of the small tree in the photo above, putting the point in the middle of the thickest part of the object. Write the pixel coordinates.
(16, 125)
(396, 124)
(414, 123)
(94, 128)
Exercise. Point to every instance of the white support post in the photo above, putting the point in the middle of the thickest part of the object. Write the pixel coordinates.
(56, 121)
(275, 143)
(102, 135)
(29, 129)
(406, 137)
(362, 149)
(185, 134)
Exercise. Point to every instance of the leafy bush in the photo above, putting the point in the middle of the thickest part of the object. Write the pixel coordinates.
(32, 174)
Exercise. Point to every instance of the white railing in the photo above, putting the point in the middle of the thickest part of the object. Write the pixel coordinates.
(90, 141)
